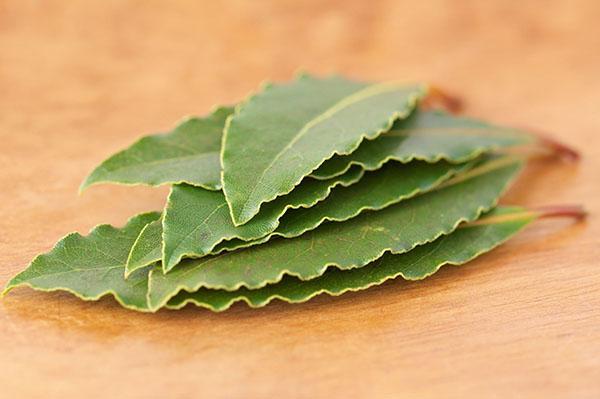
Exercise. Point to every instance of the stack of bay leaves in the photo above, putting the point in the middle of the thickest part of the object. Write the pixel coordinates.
(319, 185)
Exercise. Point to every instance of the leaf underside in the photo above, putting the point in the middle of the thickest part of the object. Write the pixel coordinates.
(297, 126)
(459, 247)
(347, 245)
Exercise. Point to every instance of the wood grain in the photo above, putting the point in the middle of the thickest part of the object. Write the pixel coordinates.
(81, 79)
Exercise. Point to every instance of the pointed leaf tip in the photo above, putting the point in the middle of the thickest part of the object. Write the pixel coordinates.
(347, 245)
(187, 154)
(100, 260)
(331, 116)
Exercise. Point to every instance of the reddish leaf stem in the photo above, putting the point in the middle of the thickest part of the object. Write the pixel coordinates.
(572, 211)
(435, 95)
(554, 146)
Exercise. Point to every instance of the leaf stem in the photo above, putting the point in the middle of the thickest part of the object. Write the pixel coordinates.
(551, 211)
(543, 146)
(436, 95)
(556, 147)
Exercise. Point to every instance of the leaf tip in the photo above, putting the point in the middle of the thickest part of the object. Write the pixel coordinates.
(9, 286)
(5, 291)
(89, 181)
(82, 187)
(169, 263)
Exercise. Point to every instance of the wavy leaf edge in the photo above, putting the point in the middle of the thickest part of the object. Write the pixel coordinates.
(411, 104)
(250, 304)
(181, 287)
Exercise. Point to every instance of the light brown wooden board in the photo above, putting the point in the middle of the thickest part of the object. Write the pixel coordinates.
(81, 79)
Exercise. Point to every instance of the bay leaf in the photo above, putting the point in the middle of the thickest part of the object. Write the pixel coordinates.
(375, 191)
(90, 269)
(283, 133)
(467, 242)
(195, 220)
(147, 248)
(189, 154)
(93, 266)
(347, 245)
(428, 136)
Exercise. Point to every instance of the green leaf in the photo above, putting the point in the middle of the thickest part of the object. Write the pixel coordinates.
(283, 133)
(428, 136)
(93, 266)
(147, 248)
(466, 243)
(195, 220)
(375, 191)
(347, 245)
(189, 154)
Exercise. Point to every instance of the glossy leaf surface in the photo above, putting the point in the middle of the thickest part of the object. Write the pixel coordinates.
(347, 245)
(189, 154)
(196, 220)
(375, 191)
(147, 248)
(93, 266)
(280, 135)
(464, 244)
(428, 136)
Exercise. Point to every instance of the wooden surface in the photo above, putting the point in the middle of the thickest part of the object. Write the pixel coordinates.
(81, 79)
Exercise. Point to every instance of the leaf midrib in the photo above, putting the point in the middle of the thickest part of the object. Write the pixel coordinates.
(345, 102)
(469, 131)
(493, 165)
(164, 160)
(185, 237)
